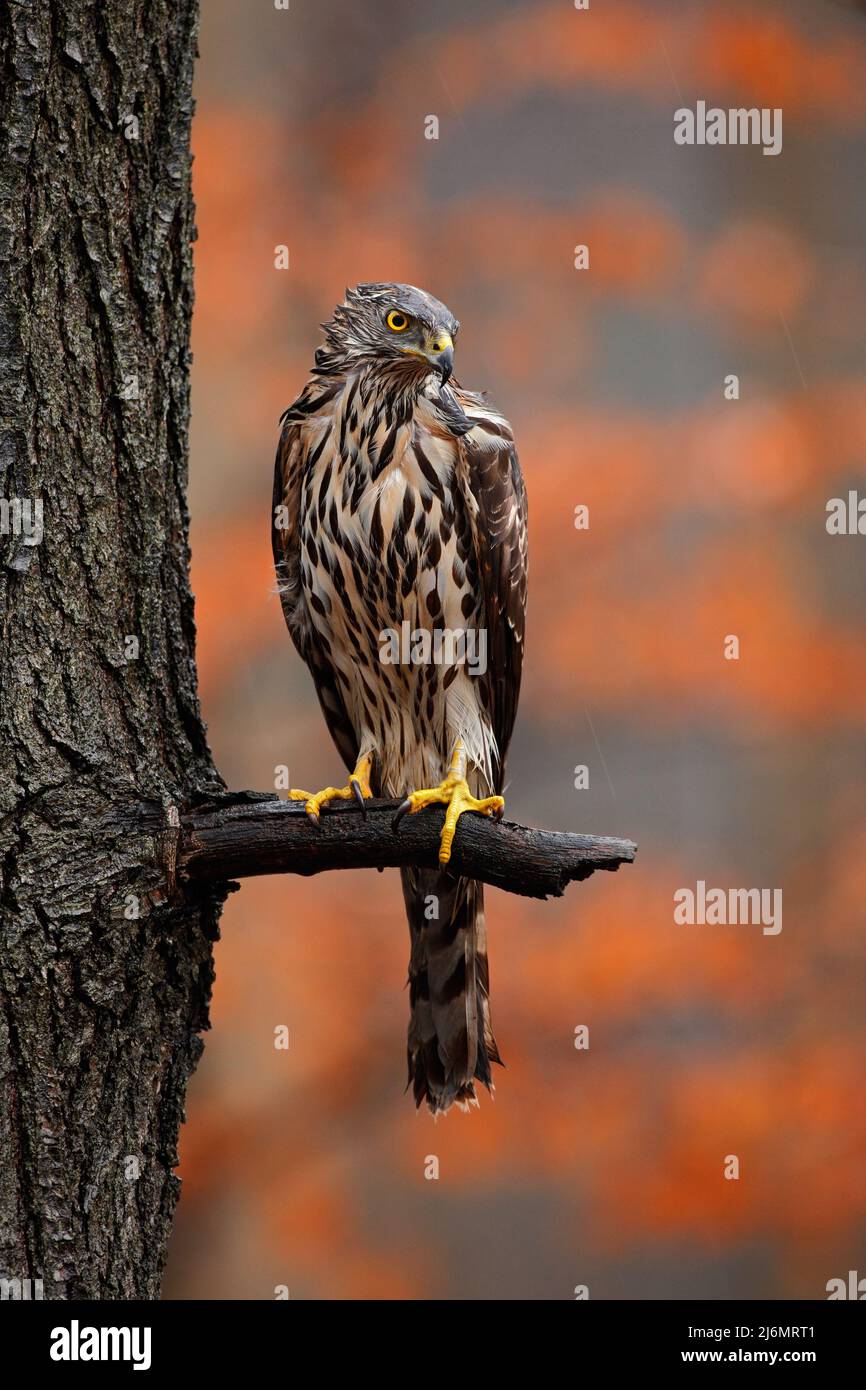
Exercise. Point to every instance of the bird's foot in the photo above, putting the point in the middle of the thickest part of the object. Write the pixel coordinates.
(358, 787)
(455, 794)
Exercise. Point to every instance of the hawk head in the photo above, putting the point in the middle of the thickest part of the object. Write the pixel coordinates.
(399, 326)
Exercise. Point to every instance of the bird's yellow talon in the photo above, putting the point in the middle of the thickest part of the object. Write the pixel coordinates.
(455, 794)
(357, 789)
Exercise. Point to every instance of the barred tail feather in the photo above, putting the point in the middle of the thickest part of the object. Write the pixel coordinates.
(451, 1044)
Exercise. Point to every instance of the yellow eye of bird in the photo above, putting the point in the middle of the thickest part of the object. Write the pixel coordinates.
(397, 321)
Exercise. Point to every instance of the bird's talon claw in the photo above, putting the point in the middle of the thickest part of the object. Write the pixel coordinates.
(358, 787)
(455, 795)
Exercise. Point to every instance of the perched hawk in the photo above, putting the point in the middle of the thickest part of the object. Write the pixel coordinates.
(399, 507)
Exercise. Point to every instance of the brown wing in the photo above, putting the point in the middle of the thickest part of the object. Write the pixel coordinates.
(287, 539)
(496, 484)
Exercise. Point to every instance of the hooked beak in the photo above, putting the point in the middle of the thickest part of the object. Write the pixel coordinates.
(444, 361)
(438, 350)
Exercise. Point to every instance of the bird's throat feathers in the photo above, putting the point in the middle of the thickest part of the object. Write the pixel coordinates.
(367, 416)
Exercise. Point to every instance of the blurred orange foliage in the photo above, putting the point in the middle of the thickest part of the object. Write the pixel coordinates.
(306, 1167)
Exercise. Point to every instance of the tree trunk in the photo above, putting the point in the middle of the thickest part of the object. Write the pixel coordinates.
(104, 977)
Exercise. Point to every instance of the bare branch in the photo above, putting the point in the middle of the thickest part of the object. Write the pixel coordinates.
(250, 833)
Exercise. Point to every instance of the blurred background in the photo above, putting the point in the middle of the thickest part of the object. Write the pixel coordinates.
(603, 1167)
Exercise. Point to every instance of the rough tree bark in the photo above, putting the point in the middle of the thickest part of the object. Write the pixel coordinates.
(249, 833)
(100, 1010)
